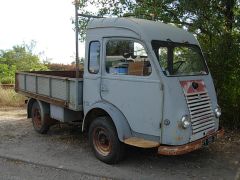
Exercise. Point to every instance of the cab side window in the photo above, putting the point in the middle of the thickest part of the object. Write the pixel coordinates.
(127, 57)
(94, 57)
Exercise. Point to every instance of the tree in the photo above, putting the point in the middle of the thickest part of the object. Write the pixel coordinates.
(19, 58)
(216, 23)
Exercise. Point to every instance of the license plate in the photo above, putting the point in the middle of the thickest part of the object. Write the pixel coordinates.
(209, 140)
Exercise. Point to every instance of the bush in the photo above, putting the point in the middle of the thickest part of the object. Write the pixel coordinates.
(8, 97)
(7, 80)
(224, 65)
(19, 58)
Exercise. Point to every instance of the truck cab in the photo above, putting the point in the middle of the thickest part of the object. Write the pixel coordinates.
(155, 76)
(145, 84)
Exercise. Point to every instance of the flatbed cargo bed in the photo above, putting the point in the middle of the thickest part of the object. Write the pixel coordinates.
(61, 88)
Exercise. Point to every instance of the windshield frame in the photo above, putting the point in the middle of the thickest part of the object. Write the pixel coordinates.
(156, 44)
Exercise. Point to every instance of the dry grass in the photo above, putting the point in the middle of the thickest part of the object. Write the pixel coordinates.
(9, 98)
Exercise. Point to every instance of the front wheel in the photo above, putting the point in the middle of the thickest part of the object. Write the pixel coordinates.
(104, 140)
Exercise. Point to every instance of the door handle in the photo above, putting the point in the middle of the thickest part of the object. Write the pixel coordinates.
(104, 89)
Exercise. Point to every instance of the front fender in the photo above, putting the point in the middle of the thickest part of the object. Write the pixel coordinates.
(119, 120)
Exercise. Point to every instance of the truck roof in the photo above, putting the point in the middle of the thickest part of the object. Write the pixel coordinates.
(146, 29)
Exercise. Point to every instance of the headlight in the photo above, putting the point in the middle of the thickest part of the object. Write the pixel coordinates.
(185, 122)
(217, 112)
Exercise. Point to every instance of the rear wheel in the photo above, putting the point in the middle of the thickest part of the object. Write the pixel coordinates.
(104, 140)
(38, 119)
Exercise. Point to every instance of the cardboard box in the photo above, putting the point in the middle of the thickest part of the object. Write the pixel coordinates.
(138, 68)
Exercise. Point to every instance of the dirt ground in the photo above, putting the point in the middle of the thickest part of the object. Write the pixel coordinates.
(66, 148)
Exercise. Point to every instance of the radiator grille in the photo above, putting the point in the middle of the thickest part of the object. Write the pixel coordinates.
(201, 112)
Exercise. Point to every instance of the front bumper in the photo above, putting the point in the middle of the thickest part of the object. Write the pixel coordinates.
(183, 149)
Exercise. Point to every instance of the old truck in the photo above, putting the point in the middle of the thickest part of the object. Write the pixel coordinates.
(144, 84)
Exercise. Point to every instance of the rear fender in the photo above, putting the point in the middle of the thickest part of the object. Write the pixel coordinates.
(29, 107)
(45, 108)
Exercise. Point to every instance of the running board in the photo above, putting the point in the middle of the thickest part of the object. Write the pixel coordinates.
(138, 142)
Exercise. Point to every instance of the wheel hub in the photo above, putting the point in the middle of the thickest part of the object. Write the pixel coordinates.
(101, 141)
(37, 118)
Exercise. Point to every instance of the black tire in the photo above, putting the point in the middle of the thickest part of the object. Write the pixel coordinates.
(104, 140)
(39, 122)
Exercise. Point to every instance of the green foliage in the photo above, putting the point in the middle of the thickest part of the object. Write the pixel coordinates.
(7, 73)
(19, 58)
(216, 23)
(224, 63)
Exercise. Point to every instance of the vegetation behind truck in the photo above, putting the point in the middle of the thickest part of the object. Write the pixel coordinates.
(145, 84)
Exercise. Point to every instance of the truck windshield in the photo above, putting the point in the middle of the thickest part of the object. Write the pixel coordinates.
(179, 59)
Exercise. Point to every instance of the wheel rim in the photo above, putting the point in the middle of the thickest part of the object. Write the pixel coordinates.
(101, 141)
(37, 118)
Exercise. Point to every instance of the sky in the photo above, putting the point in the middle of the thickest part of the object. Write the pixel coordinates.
(48, 22)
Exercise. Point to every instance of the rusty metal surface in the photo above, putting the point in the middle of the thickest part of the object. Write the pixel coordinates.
(47, 99)
(188, 88)
(178, 150)
(139, 142)
(36, 118)
(101, 141)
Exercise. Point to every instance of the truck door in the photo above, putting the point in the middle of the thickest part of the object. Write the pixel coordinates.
(92, 74)
(130, 83)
